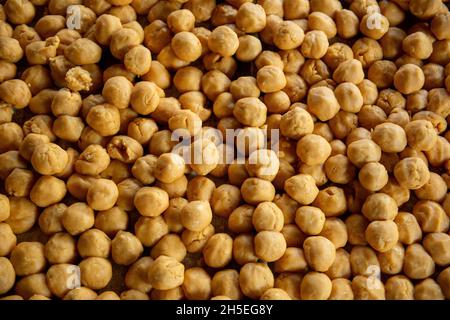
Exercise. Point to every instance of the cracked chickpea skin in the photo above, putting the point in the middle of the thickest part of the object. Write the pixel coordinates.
(109, 162)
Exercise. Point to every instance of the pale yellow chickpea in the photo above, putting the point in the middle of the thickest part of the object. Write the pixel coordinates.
(244, 87)
(166, 273)
(126, 248)
(293, 260)
(320, 21)
(336, 54)
(251, 17)
(15, 92)
(33, 287)
(240, 220)
(188, 79)
(169, 167)
(95, 272)
(244, 249)
(104, 119)
(349, 71)
(331, 201)
(49, 159)
(224, 41)
(367, 51)
(78, 218)
(250, 111)
(270, 79)
(149, 230)
(362, 151)
(341, 266)
(28, 258)
(157, 196)
(437, 245)
(169, 245)
(288, 35)
(186, 46)
(371, 116)
(226, 283)
(443, 280)
(322, 103)
(196, 240)
(418, 264)
(224, 199)
(339, 169)
(142, 130)
(431, 216)
(382, 235)
(428, 289)
(312, 149)
(380, 206)
(349, 97)
(196, 215)
(102, 194)
(341, 290)
(315, 286)
(138, 60)
(296, 123)
(8, 238)
(197, 284)
(249, 48)
(314, 45)
(347, 23)
(269, 245)
(50, 219)
(334, 229)
(373, 176)
(391, 261)
(435, 189)
(136, 276)
(123, 40)
(289, 282)
(181, 20)
(409, 78)
(105, 26)
(382, 73)
(267, 216)
(275, 294)
(157, 35)
(214, 83)
(94, 243)
(363, 260)
(412, 173)
(320, 252)
(255, 279)
(399, 288)
(301, 188)
(310, 219)
(48, 190)
(408, 228)
(417, 45)
(173, 213)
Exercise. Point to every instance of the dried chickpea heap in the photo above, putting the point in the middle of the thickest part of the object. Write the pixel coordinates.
(97, 200)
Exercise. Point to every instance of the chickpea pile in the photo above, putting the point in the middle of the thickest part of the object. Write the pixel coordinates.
(97, 201)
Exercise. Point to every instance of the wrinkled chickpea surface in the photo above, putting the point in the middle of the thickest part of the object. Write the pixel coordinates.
(358, 89)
